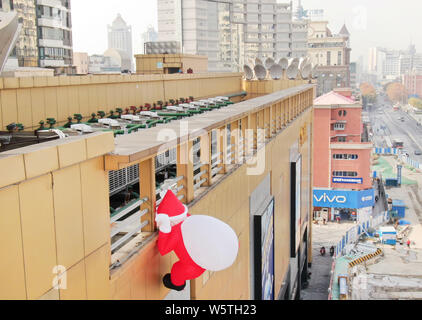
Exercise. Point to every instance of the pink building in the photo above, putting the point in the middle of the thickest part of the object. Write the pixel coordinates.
(413, 84)
(341, 159)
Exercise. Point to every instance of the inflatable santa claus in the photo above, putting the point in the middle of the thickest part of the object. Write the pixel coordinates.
(200, 242)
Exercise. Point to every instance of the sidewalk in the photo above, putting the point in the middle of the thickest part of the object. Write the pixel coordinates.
(327, 236)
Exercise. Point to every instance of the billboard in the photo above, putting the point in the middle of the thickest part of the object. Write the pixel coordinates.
(264, 254)
(298, 201)
(343, 199)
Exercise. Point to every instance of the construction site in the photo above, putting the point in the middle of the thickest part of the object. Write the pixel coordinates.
(384, 260)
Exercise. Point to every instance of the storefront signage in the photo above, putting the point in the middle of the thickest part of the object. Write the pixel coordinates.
(343, 199)
(348, 180)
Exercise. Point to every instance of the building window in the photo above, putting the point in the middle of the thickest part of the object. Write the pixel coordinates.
(12, 7)
(341, 139)
(345, 174)
(345, 156)
(1, 4)
(339, 61)
(339, 126)
(342, 113)
(328, 58)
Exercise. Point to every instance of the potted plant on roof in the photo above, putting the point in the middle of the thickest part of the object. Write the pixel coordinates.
(119, 112)
(78, 117)
(51, 122)
(69, 122)
(93, 118)
(41, 123)
(101, 114)
(112, 115)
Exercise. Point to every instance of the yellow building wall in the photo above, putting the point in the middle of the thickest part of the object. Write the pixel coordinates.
(54, 215)
(228, 200)
(37, 98)
(148, 63)
(258, 88)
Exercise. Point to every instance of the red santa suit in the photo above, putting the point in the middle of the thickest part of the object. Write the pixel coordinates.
(200, 242)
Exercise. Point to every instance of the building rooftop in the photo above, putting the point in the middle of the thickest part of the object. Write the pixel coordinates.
(344, 31)
(333, 98)
(130, 148)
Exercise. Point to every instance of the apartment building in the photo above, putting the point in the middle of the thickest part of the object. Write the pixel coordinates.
(413, 83)
(81, 62)
(46, 37)
(55, 35)
(234, 32)
(390, 64)
(26, 49)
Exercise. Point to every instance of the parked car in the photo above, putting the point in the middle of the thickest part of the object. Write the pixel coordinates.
(418, 153)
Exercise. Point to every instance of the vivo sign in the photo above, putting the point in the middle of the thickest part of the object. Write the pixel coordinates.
(326, 198)
(343, 199)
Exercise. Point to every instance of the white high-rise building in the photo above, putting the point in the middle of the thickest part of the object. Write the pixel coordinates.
(150, 35)
(232, 32)
(120, 38)
(377, 62)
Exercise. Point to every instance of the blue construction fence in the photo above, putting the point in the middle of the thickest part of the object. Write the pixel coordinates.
(394, 151)
(388, 151)
(354, 233)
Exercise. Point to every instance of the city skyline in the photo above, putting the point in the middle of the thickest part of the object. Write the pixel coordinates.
(369, 24)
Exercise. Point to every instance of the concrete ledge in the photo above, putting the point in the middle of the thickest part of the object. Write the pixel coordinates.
(12, 169)
(33, 161)
(99, 144)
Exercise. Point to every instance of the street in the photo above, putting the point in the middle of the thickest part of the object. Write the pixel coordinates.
(386, 123)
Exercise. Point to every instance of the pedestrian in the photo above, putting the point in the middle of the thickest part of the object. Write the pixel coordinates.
(408, 243)
(338, 219)
(322, 251)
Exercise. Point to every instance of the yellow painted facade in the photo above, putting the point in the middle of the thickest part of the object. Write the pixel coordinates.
(50, 219)
(258, 88)
(54, 204)
(161, 63)
(227, 198)
(32, 99)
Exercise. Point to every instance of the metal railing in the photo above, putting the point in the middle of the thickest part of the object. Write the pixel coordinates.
(170, 184)
(130, 226)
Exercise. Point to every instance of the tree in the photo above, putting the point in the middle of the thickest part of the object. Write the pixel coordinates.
(367, 89)
(415, 102)
(368, 93)
(397, 92)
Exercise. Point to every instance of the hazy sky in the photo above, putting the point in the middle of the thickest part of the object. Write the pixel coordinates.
(388, 23)
(91, 17)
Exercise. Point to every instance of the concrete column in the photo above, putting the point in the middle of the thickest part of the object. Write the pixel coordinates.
(185, 169)
(147, 189)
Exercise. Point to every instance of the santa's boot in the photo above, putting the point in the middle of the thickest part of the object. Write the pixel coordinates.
(168, 284)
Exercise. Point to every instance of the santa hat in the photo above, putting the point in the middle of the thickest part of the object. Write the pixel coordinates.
(172, 207)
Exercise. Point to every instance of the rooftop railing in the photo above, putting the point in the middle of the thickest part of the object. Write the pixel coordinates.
(197, 157)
